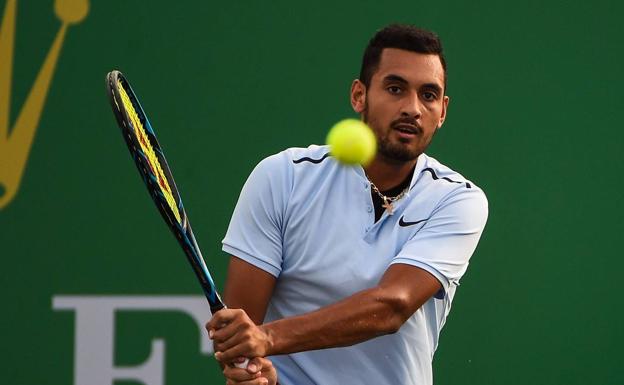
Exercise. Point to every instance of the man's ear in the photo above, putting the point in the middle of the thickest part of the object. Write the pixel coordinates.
(445, 103)
(358, 96)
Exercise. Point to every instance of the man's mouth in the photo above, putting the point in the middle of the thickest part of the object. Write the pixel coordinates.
(406, 130)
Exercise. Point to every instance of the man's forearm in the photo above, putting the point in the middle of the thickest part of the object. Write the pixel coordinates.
(365, 315)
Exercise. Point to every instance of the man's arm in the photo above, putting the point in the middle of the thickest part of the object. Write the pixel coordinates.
(248, 287)
(367, 314)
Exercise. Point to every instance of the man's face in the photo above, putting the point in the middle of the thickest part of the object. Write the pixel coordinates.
(404, 104)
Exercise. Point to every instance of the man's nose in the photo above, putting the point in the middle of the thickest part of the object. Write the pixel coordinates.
(411, 106)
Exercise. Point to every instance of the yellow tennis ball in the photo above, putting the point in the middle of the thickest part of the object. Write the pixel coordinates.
(351, 141)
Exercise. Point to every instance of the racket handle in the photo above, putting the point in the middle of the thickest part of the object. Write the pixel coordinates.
(242, 365)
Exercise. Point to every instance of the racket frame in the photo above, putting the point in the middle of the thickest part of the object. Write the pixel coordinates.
(181, 229)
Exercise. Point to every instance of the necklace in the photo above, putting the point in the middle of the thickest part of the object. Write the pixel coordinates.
(388, 201)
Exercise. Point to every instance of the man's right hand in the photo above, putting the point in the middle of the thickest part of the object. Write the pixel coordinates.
(260, 371)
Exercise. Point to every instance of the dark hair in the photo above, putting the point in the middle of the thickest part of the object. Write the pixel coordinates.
(401, 36)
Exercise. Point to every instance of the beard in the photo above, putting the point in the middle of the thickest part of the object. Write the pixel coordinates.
(399, 152)
(396, 151)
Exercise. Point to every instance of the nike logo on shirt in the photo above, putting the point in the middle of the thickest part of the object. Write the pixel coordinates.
(405, 224)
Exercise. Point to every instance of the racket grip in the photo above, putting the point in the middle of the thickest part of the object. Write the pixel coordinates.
(242, 365)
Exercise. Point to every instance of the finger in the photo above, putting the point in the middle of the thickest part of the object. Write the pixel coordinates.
(223, 316)
(245, 349)
(228, 331)
(237, 374)
(215, 321)
(264, 362)
(241, 336)
(242, 362)
(239, 324)
(255, 365)
(256, 381)
(239, 360)
(233, 336)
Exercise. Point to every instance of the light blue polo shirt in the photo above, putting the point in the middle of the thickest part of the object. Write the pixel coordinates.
(309, 221)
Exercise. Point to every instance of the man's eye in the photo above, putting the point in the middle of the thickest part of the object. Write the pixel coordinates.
(429, 96)
(394, 90)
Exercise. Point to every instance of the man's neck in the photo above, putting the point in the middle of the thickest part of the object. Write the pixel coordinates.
(386, 175)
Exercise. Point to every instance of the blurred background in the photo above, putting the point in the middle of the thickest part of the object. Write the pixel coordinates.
(89, 269)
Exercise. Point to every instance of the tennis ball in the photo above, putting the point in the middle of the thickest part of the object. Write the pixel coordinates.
(352, 142)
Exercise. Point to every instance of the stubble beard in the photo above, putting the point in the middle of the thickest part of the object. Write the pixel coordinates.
(395, 152)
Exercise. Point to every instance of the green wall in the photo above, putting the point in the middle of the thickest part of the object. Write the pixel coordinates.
(535, 93)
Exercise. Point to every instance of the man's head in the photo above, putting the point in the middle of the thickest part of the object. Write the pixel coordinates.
(400, 92)
(401, 36)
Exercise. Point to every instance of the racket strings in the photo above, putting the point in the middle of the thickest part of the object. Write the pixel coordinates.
(148, 150)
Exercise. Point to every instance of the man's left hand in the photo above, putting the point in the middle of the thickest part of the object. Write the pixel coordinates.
(260, 371)
(235, 335)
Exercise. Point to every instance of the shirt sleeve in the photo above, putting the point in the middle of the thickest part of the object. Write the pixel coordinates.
(444, 245)
(255, 231)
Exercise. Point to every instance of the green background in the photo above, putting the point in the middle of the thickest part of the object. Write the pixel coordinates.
(535, 93)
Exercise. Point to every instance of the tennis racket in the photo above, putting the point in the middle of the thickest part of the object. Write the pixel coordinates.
(150, 160)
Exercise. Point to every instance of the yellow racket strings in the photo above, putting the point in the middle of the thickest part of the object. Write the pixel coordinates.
(148, 150)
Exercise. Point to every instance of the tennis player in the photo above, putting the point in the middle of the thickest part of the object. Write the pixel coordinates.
(345, 275)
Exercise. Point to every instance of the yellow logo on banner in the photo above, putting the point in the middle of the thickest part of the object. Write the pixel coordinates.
(15, 145)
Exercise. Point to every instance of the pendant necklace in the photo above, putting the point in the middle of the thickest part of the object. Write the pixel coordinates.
(388, 201)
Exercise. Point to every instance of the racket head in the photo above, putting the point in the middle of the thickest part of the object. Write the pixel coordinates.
(145, 149)
(155, 172)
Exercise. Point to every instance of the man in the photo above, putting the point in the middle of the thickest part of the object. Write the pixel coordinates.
(348, 271)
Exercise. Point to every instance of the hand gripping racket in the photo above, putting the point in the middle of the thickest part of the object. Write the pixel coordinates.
(152, 165)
